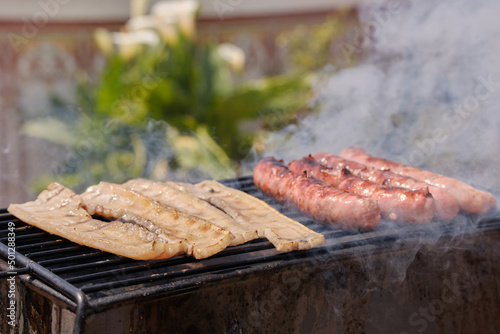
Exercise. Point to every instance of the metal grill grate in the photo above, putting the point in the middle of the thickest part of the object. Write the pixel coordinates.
(87, 279)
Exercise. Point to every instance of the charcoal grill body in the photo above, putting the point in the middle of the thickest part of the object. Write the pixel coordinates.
(438, 278)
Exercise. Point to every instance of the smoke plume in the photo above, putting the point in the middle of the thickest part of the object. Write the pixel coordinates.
(427, 95)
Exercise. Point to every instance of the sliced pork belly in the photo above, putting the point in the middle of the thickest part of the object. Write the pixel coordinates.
(169, 194)
(58, 210)
(117, 202)
(284, 233)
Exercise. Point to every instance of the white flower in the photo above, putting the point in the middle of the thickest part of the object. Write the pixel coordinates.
(147, 37)
(167, 30)
(103, 40)
(176, 8)
(233, 55)
(144, 22)
(180, 12)
(138, 7)
(129, 42)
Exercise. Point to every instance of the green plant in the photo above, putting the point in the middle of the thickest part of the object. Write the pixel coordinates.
(166, 104)
(311, 47)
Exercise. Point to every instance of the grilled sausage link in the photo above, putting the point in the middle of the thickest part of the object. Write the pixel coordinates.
(323, 203)
(470, 199)
(446, 205)
(395, 203)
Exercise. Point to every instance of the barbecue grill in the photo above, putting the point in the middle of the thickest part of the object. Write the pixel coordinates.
(431, 278)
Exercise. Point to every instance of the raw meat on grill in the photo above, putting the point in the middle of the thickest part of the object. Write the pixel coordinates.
(58, 210)
(323, 203)
(395, 203)
(471, 200)
(169, 194)
(284, 233)
(447, 206)
(114, 201)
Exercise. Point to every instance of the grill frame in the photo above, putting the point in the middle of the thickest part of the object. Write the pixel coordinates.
(182, 273)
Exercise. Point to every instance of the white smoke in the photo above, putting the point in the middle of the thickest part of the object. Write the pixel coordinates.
(427, 95)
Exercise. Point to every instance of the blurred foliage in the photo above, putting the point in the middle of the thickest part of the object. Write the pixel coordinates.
(311, 47)
(176, 108)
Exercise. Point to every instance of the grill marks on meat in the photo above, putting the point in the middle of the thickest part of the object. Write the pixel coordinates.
(172, 195)
(58, 210)
(115, 201)
(284, 233)
(447, 206)
(323, 203)
(470, 199)
(395, 203)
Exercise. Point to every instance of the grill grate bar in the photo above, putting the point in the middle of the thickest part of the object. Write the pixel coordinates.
(132, 266)
(72, 269)
(27, 230)
(41, 244)
(184, 270)
(27, 241)
(86, 255)
(62, 253)
(22, 237)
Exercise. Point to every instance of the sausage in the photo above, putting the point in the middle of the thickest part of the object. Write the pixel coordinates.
(323, 203)
(447, 206)
(470, 199)
(395, 203)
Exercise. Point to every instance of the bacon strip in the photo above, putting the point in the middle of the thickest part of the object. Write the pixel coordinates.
(323, 203)
(58, 210)
(284, 233)
(470, 199)
(114, 201)
(447, 206)
(170, 194)
(395, 203)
